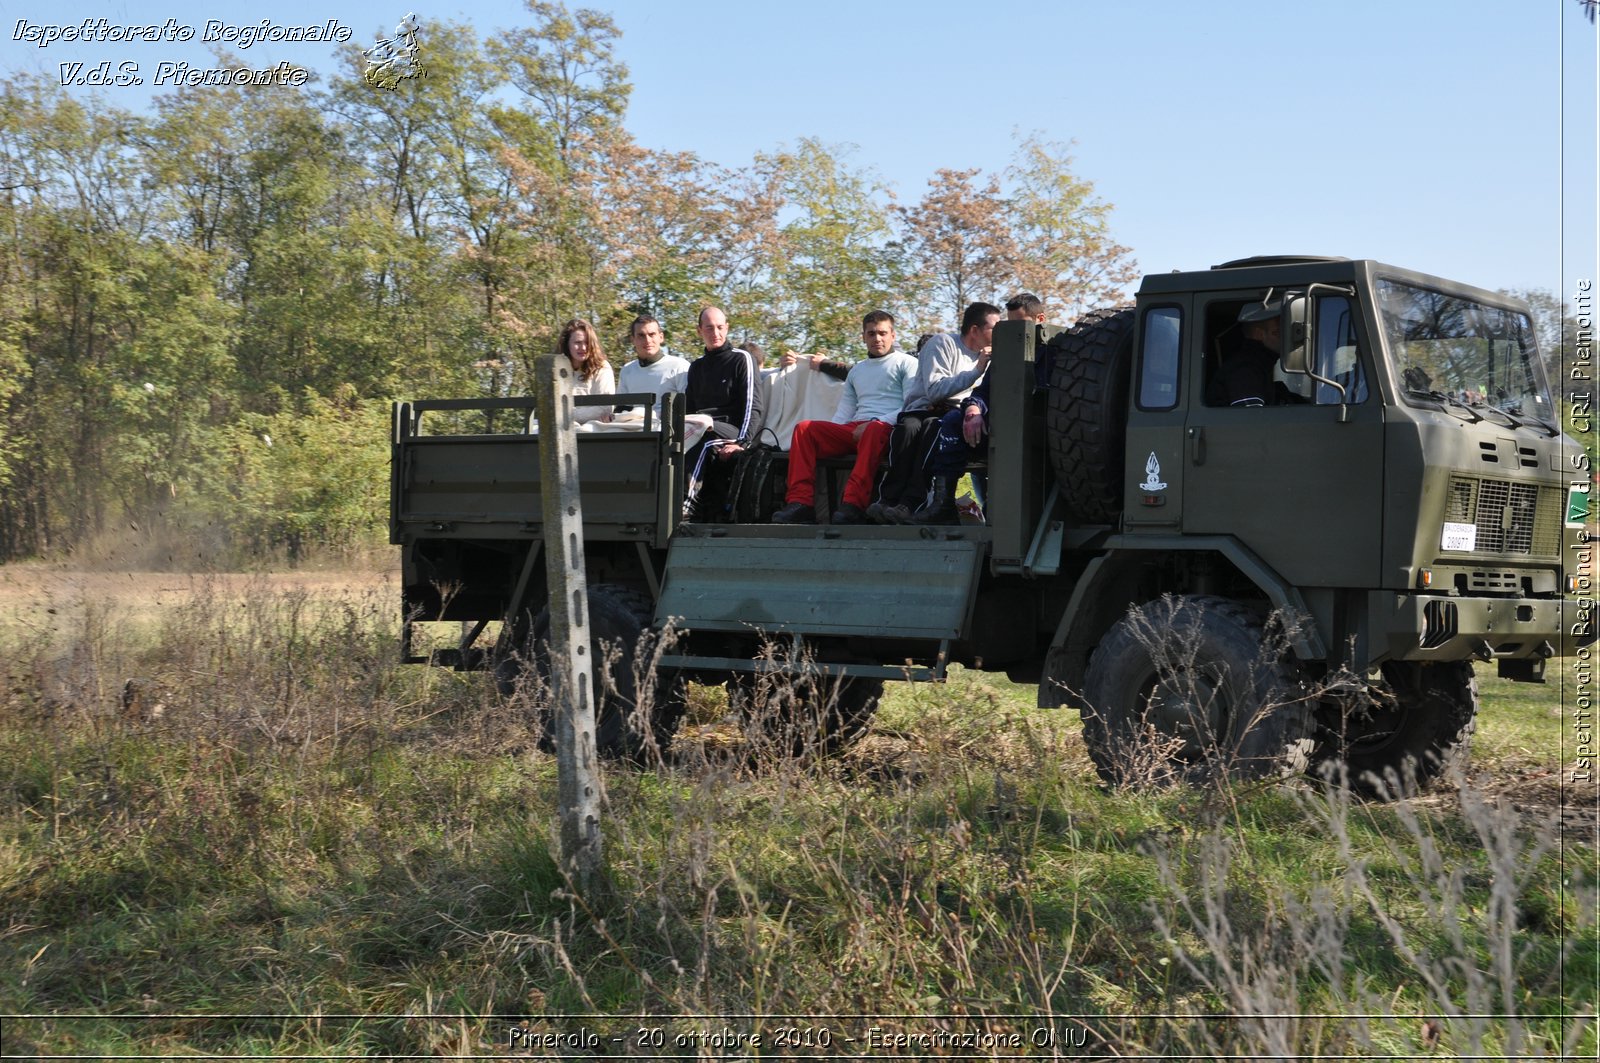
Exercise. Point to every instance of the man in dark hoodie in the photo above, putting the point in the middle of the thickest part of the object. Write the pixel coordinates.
(725, 385)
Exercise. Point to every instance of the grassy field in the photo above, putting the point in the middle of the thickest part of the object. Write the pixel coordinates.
(231, 823)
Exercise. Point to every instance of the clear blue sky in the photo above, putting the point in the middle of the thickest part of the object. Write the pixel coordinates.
(1457, 138)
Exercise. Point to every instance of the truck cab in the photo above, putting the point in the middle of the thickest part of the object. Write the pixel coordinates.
(1405, 477)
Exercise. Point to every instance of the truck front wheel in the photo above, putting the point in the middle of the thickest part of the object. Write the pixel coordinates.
(628, 719)
(1189, 689)
(1412, 722)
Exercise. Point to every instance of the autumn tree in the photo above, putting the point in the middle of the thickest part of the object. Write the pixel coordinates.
(1062, 232)
(661, 222)
(836, 256)
(574, 94)
(565, 65)
(959, 242)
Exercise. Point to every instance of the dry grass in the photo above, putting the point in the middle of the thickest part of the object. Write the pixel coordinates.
(276, 818)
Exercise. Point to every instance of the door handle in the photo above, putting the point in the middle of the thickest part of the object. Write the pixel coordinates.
(1197, 446)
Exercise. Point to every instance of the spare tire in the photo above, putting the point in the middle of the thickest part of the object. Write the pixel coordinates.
(1086, 424)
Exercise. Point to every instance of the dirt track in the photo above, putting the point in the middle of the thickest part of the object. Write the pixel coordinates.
(31, 591)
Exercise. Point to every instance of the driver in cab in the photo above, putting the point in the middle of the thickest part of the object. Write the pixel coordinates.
(1250, 352)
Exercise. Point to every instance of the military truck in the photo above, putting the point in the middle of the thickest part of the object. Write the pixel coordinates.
(1250, 589)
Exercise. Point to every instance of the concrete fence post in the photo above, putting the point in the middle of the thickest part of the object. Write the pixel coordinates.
(572, 688)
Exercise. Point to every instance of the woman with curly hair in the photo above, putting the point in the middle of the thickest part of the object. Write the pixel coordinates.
(581, 345)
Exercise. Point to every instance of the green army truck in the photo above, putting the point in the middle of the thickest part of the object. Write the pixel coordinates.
(1251, 589)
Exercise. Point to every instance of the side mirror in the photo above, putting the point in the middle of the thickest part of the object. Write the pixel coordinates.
(1302, 340)
(1296, 335)
(1294, 360)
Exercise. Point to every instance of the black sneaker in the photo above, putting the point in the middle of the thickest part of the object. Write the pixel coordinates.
(795, 513)
(932, 513)
(848, 514)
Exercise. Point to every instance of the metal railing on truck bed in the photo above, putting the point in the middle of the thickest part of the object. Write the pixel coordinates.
(486, 485)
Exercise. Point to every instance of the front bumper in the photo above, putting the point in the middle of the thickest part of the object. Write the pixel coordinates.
(1422, 627)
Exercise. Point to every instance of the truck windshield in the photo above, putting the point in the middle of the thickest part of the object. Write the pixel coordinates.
(1452, 349)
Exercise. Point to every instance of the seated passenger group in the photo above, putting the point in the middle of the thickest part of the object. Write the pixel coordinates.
(912, 423)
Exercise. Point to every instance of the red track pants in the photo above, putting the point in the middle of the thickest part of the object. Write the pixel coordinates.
(824, 439)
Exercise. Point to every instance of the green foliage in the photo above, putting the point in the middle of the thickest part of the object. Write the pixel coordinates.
(1063, 232)
(315, 475)
(565, 65)
(837, 257)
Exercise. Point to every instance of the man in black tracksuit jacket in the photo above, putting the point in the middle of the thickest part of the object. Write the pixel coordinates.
(725, 385)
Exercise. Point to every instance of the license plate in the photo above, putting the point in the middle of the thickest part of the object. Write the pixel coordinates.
(1459, 537)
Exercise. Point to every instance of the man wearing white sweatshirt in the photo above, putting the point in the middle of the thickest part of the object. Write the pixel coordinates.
(656, 369)
(874, 392)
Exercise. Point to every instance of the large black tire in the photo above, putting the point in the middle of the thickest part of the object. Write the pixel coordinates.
(805, 716)
(1190, 689)
(1086, 424)
(629, 722)
(1418, 716)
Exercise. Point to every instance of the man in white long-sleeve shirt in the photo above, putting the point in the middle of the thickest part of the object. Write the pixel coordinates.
(949, 365)
(654, 369)
(875, 391)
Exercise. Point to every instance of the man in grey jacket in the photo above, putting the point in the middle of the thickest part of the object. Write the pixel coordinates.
(949, 365)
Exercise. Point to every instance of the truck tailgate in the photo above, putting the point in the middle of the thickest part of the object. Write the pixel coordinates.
(869, 585)
(496, 480)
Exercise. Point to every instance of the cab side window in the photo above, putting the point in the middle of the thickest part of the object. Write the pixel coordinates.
(1158, 358)
(1245, 339)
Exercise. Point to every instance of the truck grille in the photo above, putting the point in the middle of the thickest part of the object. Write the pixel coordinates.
(1511, 518)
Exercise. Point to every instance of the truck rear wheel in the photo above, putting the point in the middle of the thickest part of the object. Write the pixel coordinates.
(1419, 715)
(1187, 689)
(627, 720)
(807, 715)
(1087, 420)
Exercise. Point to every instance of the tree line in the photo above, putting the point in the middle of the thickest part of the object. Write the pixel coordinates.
(205, 309)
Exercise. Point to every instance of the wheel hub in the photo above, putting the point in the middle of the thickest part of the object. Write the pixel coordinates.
(1186, 706)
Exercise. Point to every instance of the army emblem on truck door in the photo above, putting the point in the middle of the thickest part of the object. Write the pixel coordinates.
(1152, 474)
